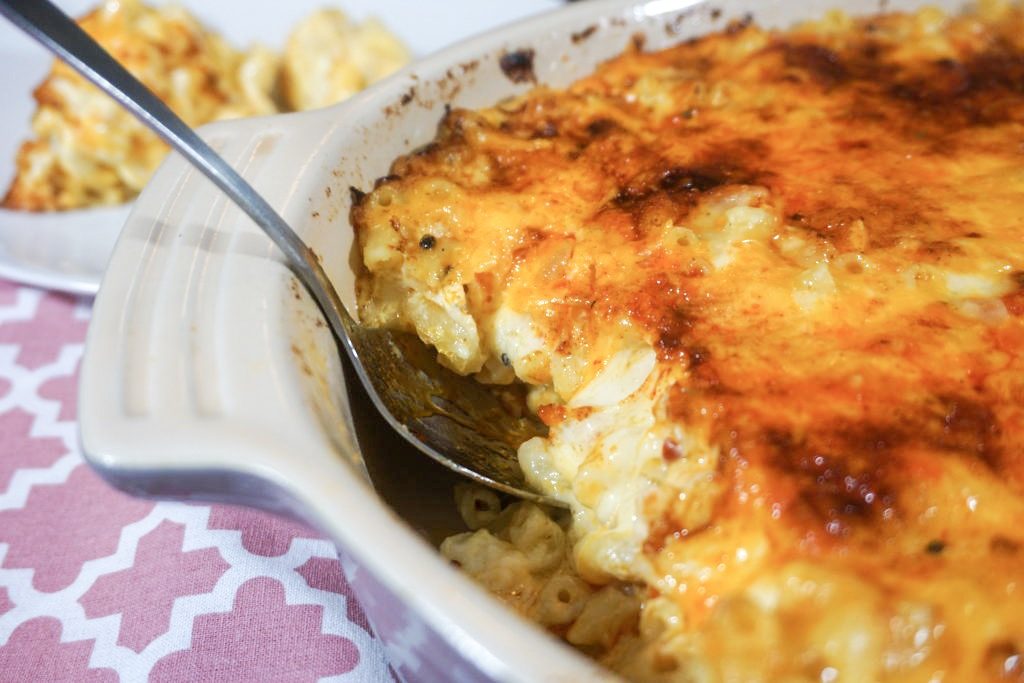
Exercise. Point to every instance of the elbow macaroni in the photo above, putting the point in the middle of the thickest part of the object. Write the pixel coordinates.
(522, 555)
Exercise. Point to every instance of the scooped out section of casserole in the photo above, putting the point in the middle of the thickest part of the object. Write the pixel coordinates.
(767, 290)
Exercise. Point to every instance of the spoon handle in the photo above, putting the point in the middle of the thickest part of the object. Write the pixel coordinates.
(391, 372)
(47, 24)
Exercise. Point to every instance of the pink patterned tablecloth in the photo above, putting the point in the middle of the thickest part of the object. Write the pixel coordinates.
(98, 586)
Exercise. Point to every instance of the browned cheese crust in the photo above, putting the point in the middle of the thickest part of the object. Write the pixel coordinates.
(856, 361)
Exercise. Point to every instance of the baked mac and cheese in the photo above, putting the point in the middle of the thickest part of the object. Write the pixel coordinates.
(767, 290)
(88, 151)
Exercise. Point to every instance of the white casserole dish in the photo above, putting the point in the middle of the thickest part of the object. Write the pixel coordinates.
(208, 374)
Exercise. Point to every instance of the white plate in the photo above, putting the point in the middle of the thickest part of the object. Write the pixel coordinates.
(68, 251)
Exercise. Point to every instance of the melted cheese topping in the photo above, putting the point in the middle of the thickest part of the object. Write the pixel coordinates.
(768, 290)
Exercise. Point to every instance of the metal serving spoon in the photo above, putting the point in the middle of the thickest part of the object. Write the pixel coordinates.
(454, 420)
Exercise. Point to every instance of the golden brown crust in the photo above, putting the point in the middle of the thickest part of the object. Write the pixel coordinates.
(854, 353)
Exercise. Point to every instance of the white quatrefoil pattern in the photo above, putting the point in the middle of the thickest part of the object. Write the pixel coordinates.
(98, 586)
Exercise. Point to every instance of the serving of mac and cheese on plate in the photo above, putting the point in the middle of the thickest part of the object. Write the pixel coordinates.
(87, 151)
(766, 290)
